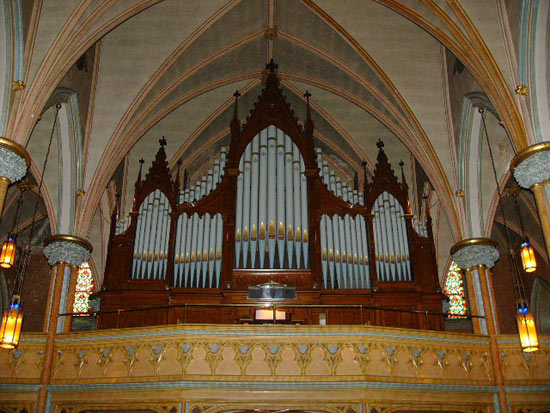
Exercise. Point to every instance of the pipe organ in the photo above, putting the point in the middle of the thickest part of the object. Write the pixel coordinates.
(271, 209)
(271, 228)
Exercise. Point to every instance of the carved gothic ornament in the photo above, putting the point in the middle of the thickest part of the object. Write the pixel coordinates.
(473, 252)
(532, 165)
(14, 160)
(68, 249)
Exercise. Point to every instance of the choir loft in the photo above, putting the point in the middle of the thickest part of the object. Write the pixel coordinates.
(270, 210)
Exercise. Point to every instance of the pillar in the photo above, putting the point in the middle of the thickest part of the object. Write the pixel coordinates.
(531, 168)
(14, 162)
(477, 255)
(64, 252)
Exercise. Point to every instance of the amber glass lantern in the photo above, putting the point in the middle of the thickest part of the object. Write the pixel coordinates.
(11, 324)
(7, 254)
(526, 327)
(528, 257)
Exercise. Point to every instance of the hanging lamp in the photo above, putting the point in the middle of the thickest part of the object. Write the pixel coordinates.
(527, 252)
(526, 323)
(9, 246)
(12, 321)
(7, 253)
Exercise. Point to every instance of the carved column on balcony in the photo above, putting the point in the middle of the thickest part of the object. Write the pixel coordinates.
(476, 256)
(14, 162)
(531, 168)
(64, 253)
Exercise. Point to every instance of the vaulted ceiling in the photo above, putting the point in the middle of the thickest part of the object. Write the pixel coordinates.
(387, 69)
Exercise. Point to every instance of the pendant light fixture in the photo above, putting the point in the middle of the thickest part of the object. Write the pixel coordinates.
(527, 252)
(9, 246)
(524, 318)
(12, 321)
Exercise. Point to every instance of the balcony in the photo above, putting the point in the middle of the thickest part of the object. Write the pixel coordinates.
(244, 367)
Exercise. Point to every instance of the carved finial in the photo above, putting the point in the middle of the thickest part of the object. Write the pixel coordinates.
(307, 95)
(380, 144)
(178, 174)
(141, 162)
(403, 180)
(235, 124)
(162, 141)
(365, 179)
(272, 66)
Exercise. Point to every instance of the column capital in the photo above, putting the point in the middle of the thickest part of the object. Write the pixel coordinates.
(472, 252)
(531, 166)
(14, 160)
(68, 249)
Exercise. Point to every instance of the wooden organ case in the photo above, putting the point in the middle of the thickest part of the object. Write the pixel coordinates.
(271, 210)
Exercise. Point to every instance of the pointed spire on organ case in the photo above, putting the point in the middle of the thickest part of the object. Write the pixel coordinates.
(403, 179)
(177, 183)
(365, 179)
(308, 127)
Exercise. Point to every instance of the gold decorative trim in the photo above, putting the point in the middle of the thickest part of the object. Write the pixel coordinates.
(68, 238)
(17, 85)
(521, 90)
(528, 152)
(18, 149)
(473, 241)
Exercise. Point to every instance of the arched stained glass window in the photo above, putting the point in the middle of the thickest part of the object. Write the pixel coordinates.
(454, 289)
(84, 288)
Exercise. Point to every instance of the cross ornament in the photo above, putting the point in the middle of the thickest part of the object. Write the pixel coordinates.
(272, 66)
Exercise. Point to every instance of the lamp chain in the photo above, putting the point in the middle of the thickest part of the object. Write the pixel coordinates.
(26, 253)
(520, 290)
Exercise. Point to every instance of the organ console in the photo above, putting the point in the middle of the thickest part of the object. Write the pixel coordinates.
(270, 209)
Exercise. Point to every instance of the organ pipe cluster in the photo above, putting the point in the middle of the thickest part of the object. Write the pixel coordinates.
(271, 228)
(152, 234)
(391, 243)
(198, 251)
(344, 242)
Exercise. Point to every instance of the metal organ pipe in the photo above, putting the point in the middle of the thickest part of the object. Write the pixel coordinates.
(246, 205)
(281, 196)
(262, 199)
(271, 193)
(297, 194)
(305, 216)
(289, 201)
(239, 215)
(254, 196)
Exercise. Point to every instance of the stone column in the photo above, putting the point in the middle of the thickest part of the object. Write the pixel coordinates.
(14, 162)
(531, 168)
(63, 253)
(476, 256)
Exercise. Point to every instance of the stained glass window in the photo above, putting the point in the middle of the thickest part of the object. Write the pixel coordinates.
(454, 289)
(84, 288)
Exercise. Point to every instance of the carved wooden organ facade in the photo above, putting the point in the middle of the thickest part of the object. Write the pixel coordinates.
(270, 209)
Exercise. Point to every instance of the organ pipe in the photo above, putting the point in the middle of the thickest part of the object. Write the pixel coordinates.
(281, 196)
(254, 199)
(289, 201)
(271, 194)
(297, 194)
(262, 209)
(239, 214)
